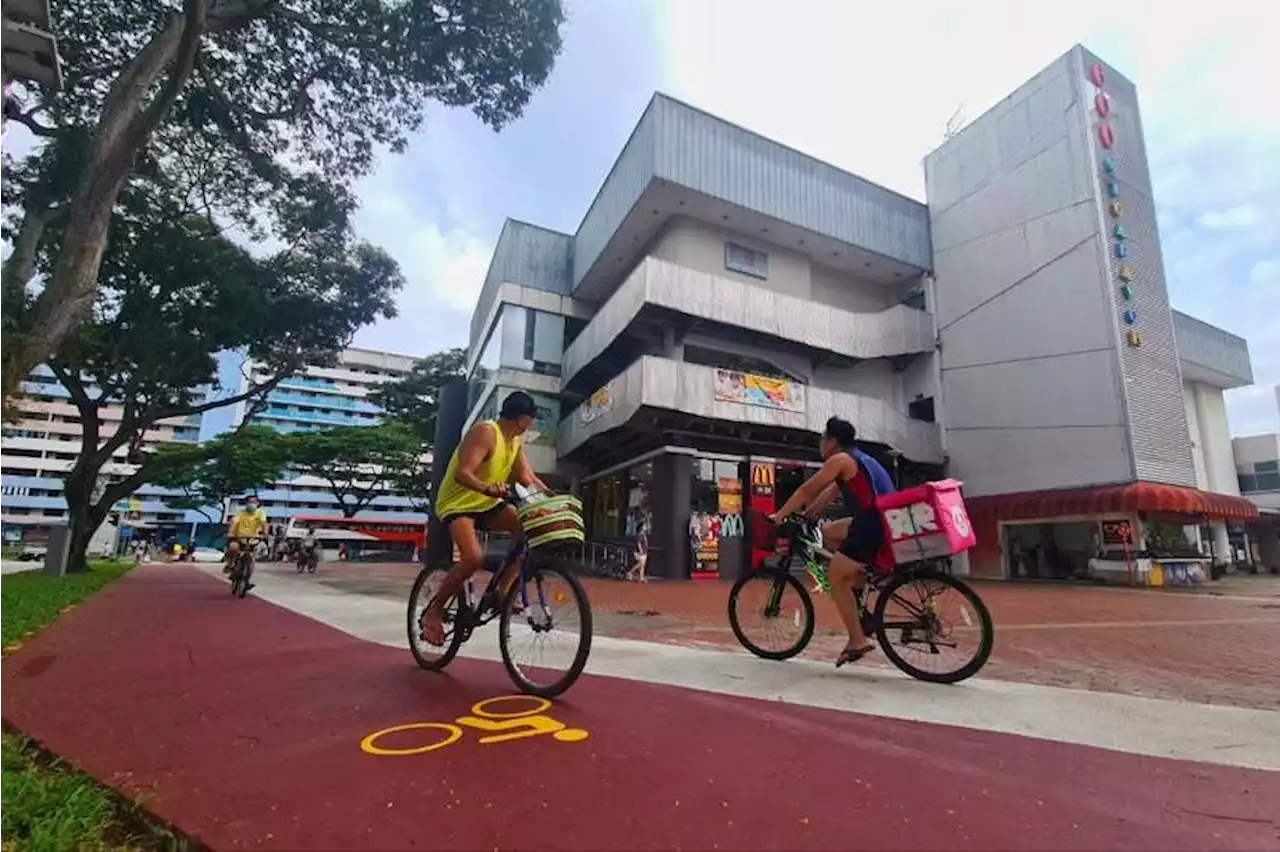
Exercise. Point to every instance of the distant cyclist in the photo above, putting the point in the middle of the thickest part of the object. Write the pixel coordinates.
(471, 496)
(857, 542)
(250, 522)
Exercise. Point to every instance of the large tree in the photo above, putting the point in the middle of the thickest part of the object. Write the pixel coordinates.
(226, 107)
(175, 293)
(415, 402)
(231, 464)
(358, 463)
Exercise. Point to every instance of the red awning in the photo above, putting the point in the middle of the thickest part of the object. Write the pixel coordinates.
(1130, 497)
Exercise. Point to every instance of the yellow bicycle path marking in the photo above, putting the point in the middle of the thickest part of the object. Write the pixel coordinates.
(501, 726)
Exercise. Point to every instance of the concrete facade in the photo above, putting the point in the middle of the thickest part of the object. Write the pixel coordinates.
(1016, 333)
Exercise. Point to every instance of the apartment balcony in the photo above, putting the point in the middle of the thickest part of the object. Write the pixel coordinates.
(691, 390)
(658, 287)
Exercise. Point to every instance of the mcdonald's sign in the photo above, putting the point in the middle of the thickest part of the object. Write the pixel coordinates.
(763, 478)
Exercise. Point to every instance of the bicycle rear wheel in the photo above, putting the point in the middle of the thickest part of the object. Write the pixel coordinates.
(557, 615)
(433, 658)
(763, 596)
(909, 610)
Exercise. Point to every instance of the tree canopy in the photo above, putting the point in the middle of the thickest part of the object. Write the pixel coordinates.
(174, 293)
(415, 399)
(242, 113)
(231, 464)
(359, 463)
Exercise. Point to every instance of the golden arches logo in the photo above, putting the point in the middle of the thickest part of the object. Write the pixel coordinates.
(762, 475)
(500, 725)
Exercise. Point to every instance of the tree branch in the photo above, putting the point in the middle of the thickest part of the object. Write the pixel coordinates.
(28, 119)
(20, 268)
(263, 388)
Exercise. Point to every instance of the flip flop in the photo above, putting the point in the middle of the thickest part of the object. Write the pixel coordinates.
(852, 655)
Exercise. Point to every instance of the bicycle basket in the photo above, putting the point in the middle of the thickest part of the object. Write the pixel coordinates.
(552, 521)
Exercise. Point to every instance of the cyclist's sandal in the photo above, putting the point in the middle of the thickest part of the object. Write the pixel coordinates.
(852, 655)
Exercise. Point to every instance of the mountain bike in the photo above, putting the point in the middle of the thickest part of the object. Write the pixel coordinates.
(242, 568)
(922, 626)
(534, 566)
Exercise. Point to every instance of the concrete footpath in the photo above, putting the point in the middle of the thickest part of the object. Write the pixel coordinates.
(251, 726)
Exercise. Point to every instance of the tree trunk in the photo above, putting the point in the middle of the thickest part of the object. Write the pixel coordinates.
(78, 487)
(126, 124)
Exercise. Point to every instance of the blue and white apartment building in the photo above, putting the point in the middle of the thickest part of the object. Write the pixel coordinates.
(724, 295)
(40, 447)
(324, 398)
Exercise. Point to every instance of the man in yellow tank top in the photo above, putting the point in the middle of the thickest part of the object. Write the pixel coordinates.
(472, 491)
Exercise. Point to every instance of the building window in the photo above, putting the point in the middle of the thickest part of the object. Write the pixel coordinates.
(746, 261)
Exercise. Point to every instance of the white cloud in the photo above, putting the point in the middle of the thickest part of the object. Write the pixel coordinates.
(1233, 218)
(1266, 273)
(443, 265)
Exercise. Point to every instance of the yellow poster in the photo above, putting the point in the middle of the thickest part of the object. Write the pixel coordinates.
(761, 391)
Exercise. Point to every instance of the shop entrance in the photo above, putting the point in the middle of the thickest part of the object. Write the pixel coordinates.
(773, 482)
(1058, 550)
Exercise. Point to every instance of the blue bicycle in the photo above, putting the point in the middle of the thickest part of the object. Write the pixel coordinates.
(544, 603)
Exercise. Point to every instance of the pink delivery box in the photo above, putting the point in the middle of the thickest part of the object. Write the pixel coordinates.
(926, 522)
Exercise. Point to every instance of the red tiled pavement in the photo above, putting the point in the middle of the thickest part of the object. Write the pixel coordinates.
(1161, 644)
(240, 722)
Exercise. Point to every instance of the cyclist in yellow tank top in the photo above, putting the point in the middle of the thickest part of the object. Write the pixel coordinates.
(471, 495)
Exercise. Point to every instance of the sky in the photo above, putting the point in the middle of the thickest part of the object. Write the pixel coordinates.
(868, 87)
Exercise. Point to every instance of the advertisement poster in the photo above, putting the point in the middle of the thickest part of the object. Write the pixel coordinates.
(596, 406)
(729, 492)
(760, 391)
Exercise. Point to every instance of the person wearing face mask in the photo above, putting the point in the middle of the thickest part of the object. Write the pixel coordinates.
(249, 523)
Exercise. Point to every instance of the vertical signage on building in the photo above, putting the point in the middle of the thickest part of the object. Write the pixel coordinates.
(1119, 238)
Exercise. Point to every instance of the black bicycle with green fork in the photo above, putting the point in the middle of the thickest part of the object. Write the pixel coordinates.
(902, 609)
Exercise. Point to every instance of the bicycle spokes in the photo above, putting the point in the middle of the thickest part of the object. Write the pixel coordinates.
(932, 620)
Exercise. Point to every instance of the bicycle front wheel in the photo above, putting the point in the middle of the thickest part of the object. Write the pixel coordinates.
(433, 658)
(777, 604)
(547, 615)
(933, 626)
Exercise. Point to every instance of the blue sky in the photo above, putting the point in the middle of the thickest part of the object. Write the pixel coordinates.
(869, 89)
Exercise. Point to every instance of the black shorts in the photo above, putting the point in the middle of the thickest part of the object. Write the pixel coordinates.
(484, 520)
(865, 538)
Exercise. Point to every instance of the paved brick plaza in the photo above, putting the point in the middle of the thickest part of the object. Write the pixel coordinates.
(1218, 645)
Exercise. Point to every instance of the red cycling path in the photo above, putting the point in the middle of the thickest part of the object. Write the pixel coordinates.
(241, 723)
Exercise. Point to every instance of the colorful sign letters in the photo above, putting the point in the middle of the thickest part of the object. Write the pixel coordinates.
(1115, 205)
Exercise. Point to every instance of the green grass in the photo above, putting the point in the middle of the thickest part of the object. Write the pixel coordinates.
(32, 599)
(48, 805)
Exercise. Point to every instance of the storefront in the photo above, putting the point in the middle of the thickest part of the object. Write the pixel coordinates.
(1135, 534)
(690, 504)
(705, 512)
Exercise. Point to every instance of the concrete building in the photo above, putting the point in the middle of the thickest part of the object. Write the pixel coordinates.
(724, 295)
(41, 446)
(324, 398)
(1257, 462)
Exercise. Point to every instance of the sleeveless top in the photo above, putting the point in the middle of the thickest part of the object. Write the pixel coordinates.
(859, 494)
(457, 499)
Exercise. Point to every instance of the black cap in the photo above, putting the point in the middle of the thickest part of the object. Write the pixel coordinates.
(518, 404)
